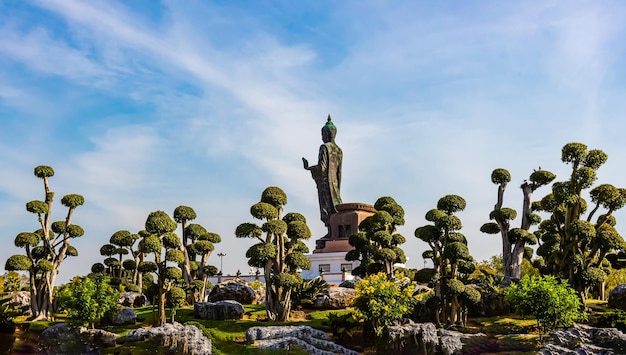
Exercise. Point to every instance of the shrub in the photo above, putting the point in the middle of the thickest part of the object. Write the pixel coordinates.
(380, 301)
(87, 300)
(551, 301)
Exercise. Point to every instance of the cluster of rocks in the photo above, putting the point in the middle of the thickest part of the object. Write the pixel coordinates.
(313, 341)
(133, 299)
(585, 339)
(63, 339)
(183, 339)
(335, 298)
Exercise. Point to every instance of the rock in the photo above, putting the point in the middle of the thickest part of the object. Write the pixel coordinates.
(125, 316)
(452, 342)
(349, 283)
(617, 297)
(220, 310)
(62, 339)
(182, 339)
(413, 338)
(585, 339)
(285, 337)
(236, 290)
(133, 299)
(335, 298)
(20, 299)
(491, 304)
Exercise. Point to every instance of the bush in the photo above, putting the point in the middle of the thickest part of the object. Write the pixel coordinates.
(380, 301)
(551, 301)
(87, 300)
(613, 319)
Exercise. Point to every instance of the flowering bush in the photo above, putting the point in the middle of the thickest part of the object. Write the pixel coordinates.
(380, 301)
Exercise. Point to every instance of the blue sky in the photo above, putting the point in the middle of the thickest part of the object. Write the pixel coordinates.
(144, 105)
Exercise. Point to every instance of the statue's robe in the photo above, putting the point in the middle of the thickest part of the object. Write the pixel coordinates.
(327, 176)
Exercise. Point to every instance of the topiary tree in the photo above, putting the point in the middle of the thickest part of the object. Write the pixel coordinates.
(87, 300)
(200, 244)
(376, 245)
(451, 260)
(175, 299)
(182, 215)
(160, 240)
(47, 248)
(573, 245)
(514, 240)
(280, 251)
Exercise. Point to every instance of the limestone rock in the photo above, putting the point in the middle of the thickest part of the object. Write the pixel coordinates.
(452, 342)
(284, 337)
(133, 299)
(182, 339)
(349, 283)
(236, 290)
(220, 310)
(335, 298)
(126, 315)
(585, 339)
(20, 299)
(617, 297)
(414, 338)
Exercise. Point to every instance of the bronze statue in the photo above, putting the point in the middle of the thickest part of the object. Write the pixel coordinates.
(327, 173)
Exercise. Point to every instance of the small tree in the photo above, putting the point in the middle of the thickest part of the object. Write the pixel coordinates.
(451, 260)
(280, 251)
(175, 299)
(552, 302)
(87, 300)
(376, 245)
(381, 301)
(47, 248)
(159, 239)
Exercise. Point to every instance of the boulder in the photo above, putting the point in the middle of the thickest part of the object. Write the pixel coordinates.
(335, 298)
(178, 338)
(20, 299)
(452, 342)
(220, 310)
(125, 315)
(585, 339)
(349, 283)
(617, 297)
(63, 339)
(236, 290)
(413, 338)
(313, 341)
(133, 299)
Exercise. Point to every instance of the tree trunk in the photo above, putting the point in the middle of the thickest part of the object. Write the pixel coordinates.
(162, 319)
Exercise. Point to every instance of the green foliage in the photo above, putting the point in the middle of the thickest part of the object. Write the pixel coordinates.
(72, 200)
(274, 196)
(42, 171)
(613, 319)
(376, 246)
(343, 324)
(87, 300)
(18, 262)
(551, 301)
(499, 176)
(38, 207)
(159, 223)
(380, 301)
(304, 293)
(184, 214)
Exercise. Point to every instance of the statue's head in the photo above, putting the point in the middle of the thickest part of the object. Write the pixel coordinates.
(329, 131)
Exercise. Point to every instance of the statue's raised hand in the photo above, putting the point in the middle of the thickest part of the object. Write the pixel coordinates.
(306, 163)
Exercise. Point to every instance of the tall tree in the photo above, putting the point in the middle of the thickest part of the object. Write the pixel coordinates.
(160, 240)
(200, 244)
(376, 245)
(46, 248)
(451, 260)
(514, 240)
(182, 215)
(575, 246)
(280, 251)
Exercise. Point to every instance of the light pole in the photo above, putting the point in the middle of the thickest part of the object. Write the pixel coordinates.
(221, 255)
